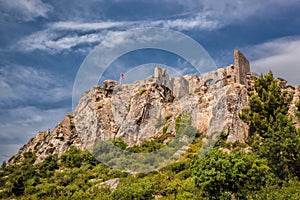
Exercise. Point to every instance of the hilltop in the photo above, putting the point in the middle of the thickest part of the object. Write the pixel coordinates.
(133, 112)
(228, 134)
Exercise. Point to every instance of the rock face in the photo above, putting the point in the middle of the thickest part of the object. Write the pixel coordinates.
(296, 96)
(147, 109)
(139, 111)
(57, 142)
(112, 183)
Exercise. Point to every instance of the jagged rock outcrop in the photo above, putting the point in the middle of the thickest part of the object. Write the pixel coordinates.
(57, 142)
(133, 111)
(296, 96)
(147, 109)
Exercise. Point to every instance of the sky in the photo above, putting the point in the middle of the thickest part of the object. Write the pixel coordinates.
(43, 44)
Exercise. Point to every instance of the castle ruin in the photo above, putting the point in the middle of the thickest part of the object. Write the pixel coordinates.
(181, 86)
(242, 67)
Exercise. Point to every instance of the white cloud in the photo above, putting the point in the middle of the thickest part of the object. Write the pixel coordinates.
(25, 10)
(227, 12)
(72, 41)
(280, 55)
(20, 84)
(71, 25)
(64, 35)
(200, 21)
(23, 89)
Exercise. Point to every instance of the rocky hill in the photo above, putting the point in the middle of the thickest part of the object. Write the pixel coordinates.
(147, 109)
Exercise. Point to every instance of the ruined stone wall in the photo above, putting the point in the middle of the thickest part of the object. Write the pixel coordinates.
(161, 77)
(242, 67)
(181, 86)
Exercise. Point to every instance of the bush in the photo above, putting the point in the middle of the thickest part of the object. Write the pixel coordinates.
(134, 189)
(119, 142)
(142, 91)
(220, 174)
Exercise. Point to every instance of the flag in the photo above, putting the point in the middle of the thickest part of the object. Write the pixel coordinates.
(122, 76)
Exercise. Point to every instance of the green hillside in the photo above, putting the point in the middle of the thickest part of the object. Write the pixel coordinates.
(267, 166)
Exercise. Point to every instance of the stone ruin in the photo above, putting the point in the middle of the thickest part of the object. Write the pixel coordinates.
(242, 67)
(181, 86)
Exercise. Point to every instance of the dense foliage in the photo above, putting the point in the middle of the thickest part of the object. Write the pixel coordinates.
(273, 134)
(266, 167)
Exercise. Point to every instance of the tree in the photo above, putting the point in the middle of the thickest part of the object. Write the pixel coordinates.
(273, 134)
(223, 175)
(75, 158)
(289, 190)
(47, 167)
(18, 185)
(141, 189)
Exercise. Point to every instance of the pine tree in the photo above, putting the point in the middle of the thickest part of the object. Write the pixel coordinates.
(273, 134)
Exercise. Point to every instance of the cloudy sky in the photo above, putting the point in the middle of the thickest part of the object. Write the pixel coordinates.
(43, 44)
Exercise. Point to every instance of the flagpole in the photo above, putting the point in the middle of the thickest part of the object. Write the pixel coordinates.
(122, 76)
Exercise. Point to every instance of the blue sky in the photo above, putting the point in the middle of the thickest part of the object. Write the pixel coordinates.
(43, 44)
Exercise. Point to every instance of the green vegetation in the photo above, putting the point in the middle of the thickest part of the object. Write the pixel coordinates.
(159, 122)
(70, 116)
(162, 148)
(298, 109)
(150, 145)
(118, 142)
(146, 146)
(165, 128)
(162, 121)
(225, 175)
(142, 91)
(269, 169)
(274, 136)
(183, 126)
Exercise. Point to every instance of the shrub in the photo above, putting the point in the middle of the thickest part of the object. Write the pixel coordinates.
(119, 142)
(142, 91)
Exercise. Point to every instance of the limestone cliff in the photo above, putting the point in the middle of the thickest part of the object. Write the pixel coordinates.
(56, 142)
(147, 109)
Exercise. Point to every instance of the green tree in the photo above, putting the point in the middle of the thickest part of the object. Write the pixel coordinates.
(132, 188)
(47, 167)
(75, 158)
(273, 134)
(289, 190)
(226, 175)
(18, 185)
(119, 142)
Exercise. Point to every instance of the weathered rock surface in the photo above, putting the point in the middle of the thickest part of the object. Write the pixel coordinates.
(112, 183)
(134, 112)
(57, 142)
(296, 91)
(141, 110)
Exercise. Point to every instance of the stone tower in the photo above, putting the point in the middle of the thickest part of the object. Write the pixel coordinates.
(241, 66)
